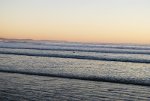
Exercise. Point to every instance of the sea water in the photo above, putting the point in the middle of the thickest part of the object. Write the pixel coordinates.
(120, 63)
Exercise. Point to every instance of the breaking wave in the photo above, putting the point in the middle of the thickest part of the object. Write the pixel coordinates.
(133, 81)
(87, 56)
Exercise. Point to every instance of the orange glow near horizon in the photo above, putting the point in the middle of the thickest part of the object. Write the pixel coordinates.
(80, 21)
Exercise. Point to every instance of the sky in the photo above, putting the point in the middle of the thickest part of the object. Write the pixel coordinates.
(106, 21)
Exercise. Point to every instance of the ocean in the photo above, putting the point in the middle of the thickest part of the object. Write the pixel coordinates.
(73, 71)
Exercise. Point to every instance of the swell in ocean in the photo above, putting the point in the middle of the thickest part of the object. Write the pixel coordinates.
(102, 50)
(136, 60)
(36, 44)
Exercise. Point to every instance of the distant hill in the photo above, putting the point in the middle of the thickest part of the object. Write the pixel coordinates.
(31, 40)
(16, 39)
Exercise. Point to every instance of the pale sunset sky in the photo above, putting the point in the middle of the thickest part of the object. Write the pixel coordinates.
(112, 21)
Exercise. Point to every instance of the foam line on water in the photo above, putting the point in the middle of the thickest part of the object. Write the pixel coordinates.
(81, 77)
(76, 56)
